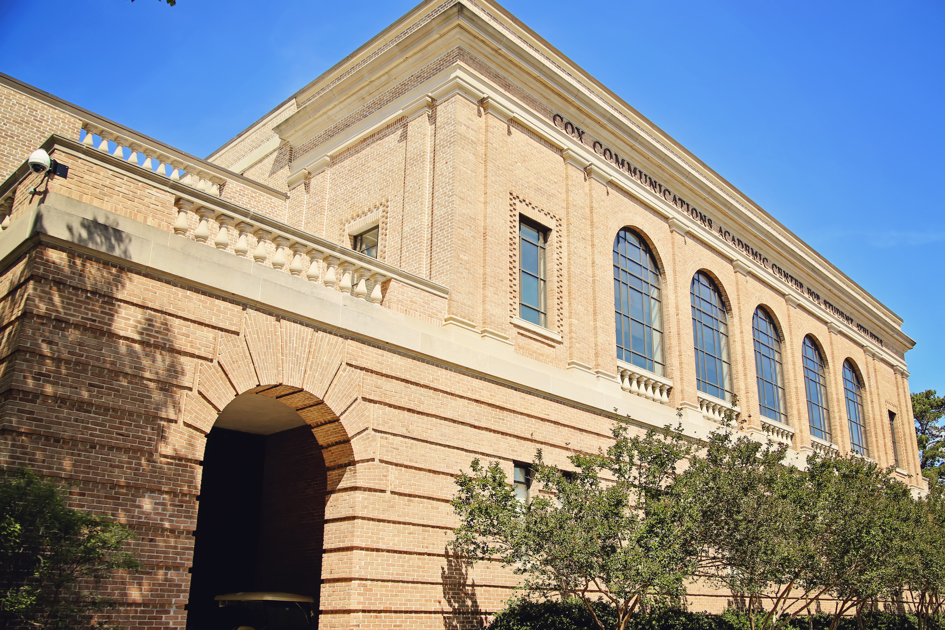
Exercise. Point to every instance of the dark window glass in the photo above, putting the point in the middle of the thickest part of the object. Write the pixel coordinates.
(521, 481)
(895, 440)
(815, 382)
(532, 275)
(852, 391)
(768, 367)
(637, 303)
(366, 242)
(710, 333)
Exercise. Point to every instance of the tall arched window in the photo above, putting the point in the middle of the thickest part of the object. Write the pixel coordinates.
(853, 392)
(639, 313)
(768, 366)
(815, 382)
(710, 332)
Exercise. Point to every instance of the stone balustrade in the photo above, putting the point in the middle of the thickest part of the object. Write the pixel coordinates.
(823, 446)
(777, 431)
(640, 382)
(138, 152)
(268, 242)
(715, 409)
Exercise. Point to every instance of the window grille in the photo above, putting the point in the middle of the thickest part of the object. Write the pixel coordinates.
(637, 304)
(853, 393)
(768, 366)
(532, 272)
(710, 334)
(815, 382)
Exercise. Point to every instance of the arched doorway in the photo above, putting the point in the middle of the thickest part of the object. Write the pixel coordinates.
(260, 522)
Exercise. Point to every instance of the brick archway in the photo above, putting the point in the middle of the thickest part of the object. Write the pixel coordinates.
(294, 365)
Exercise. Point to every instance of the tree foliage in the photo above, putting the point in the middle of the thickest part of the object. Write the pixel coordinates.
(613, 530)
(51, 554)
(652, 514)
(928, 409)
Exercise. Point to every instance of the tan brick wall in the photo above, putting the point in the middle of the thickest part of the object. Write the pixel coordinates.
(25, 124)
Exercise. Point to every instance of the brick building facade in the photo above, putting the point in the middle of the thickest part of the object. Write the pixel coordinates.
(408, 264)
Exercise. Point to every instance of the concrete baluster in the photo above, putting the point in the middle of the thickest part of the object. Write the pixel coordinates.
(242, 243)
(376, 294)
(133, 154)
(278, 260)
(297, 266)
(360, 289)
(261, 253)
(88, 140)
(345, 285)
(182, 225)
(331, 273)
(222, 241)
(314, 263)
(202, 233)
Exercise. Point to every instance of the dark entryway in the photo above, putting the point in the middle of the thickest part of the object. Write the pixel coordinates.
(260, 524)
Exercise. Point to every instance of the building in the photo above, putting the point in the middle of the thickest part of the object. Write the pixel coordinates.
(453, 244)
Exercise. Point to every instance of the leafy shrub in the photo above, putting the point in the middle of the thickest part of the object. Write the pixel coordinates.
(571, 614)
(524, 614)
(50, 554)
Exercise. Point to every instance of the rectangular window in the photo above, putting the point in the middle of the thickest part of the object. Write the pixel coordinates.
(532, 275)
(522, 481)
(892, 432)
(366, 242)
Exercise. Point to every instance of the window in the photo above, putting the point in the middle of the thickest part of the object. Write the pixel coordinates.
(639, 314)
(710, 334)
(816, 385)
(768, 368)
(521, 481)
(852, 391)
(366, 242)
(532, 275)
(895, 442)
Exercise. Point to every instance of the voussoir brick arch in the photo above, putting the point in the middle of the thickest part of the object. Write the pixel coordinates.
(296, 365)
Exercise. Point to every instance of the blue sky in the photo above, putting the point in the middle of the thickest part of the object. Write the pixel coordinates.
(827, 114)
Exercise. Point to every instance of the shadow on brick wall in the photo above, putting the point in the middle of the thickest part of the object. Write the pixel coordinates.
(95, 376)
(459, 593)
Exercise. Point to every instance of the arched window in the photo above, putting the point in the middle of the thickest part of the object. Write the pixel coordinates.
(853, 392)
(815, 382)
(710, 332)
(639, 313)
(768, 367)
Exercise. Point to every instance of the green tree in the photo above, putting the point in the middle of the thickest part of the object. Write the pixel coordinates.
(753, 530)
(926, 574)
(863, 533)
(50, 554)
(780, 538)
(615, 530)
(928, 409)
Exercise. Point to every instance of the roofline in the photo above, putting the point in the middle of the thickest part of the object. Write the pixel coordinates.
(82, 113)
(604, 90)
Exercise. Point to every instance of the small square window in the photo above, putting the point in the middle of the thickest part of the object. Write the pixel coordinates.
(532, 277)
(366, 242)
(521, 481)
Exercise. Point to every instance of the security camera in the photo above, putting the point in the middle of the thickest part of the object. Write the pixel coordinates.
(39, 161)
